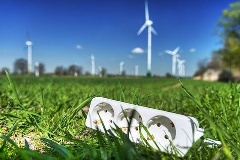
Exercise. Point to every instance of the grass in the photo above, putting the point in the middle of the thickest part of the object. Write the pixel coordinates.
(42, 118)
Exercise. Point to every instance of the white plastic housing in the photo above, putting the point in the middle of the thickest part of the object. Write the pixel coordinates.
(173, 133)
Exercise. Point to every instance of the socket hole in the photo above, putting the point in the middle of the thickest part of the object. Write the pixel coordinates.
(105, 110)
(158, 124)
(136, 128)
(166, 136)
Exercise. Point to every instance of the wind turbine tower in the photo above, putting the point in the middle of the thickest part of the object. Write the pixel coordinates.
(148, 23)
(121, 68)
(93, 64)
(183, 69)
(174, 59)
(29, 45)
(100, 71)
(37, 69)
(136, 70)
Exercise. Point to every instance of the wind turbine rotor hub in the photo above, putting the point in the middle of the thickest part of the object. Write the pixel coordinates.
(149, 22)
(29, 43)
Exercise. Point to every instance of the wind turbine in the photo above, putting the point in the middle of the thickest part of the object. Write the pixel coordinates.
(121, 68)
(29, 45)
(148, 23)
(180, 66)
(100, 71)
(37, 69)
(174, 59)
(183, 68)
(93, 64)
(136, 70)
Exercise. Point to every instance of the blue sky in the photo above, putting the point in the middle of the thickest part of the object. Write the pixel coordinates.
(69, 32)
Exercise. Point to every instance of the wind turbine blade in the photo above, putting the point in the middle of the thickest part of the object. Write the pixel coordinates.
(169, 52)
(146, 11)
(153, 31)
(176, 50)
(142, 28)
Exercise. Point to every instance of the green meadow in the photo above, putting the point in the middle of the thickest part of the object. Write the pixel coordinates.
(44, 118)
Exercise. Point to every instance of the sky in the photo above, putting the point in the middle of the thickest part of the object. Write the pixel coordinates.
(66, 32)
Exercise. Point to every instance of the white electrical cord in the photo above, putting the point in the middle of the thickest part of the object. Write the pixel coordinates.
(212, 143)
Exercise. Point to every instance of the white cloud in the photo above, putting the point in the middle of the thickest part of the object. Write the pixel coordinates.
(78, 46)
(137, 50)
(192, 50)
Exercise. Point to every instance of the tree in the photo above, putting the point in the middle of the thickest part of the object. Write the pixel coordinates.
(2, 72)
(202, 67)
(20, 66)
(230, 19)
(124, 72)
(215, 62)
(87, 73)
(205, 64)
(103, 72)
(225, 76)
(230, 22)
(41, 68)
(59, 70)
(169, 75)
(74, 70)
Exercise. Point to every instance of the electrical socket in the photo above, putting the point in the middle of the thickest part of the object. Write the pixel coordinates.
(161, 129)
(128, 120)
(173, 133)
(106, 112)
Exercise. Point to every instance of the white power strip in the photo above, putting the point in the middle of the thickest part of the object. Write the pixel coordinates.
(173, 133)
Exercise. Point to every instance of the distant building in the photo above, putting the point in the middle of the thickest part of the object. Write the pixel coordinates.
(211, 75)
(215, 75)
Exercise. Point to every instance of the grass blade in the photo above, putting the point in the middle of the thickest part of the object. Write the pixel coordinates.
(17, 99)
(59, 148)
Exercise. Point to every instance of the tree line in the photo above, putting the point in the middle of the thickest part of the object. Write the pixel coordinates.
(21, 68)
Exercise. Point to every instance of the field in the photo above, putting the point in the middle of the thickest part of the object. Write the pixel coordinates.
(44, 118)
